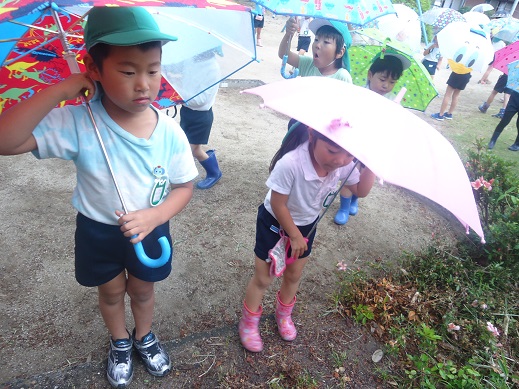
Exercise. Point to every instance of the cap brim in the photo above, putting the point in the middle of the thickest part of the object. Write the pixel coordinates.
(316, 24)
(406, 63)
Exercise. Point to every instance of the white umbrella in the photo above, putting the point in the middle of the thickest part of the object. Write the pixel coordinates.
(482, 8)
(476, 19)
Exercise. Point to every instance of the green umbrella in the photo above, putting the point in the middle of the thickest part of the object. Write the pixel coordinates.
(416, 79)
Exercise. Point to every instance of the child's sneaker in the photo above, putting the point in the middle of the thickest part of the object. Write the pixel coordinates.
(155, 358)
(447, 116)
(437, 116)
(120, 365)
(500, 114)
(483, 107)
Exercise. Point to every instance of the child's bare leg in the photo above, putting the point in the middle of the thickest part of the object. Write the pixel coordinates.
(446, 99)
(111, 305)
(291, 280)
(258, 284)
(454, 100)
(199, 153)
(142, 295)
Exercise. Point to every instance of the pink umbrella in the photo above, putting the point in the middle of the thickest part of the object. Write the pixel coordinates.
(505, 56)
(395, 144)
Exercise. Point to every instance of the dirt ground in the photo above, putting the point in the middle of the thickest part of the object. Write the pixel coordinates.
(52, 335)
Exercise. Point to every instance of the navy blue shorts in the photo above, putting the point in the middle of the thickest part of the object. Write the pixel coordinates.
(103, 252)
(430, 66)
(196, 124)
(458, 81)
(303, 42)
(266, 239)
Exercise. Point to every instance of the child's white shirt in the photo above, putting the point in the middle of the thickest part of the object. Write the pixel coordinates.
(144, 168)
(294, 175)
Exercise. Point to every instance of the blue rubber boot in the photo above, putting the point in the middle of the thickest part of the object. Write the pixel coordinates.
(213, 171)
(354, 206)
(343, 213)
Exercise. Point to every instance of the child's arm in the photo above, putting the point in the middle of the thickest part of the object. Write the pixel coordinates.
(143, 221)
(279, 206)
(363, 187)
(18, 123)
(284, 45)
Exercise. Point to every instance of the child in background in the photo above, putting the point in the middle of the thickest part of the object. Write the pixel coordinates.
(330, 49)
(259, 22)
(303, 173)
(432, 57)
(304, 35)
(151, 159)
(511, 109)
(455, 84)
(196, 117)
(500, 87)
(383, 75)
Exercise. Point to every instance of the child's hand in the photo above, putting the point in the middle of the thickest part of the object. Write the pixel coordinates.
(77, 85)
(139, 223)
(292, 25)
(298, 246)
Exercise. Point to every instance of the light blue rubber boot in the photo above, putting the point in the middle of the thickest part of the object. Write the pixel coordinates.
(343, 213)
(354, 206)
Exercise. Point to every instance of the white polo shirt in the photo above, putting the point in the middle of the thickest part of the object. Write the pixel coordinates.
(294, 175)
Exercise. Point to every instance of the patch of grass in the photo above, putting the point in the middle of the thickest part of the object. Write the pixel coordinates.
(450, 319)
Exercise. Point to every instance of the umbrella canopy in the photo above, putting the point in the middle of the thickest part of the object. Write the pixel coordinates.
(508, 30)
(465, 48)
(513, 76)
(476, 19)
(439, 18)
(404, 26)
(34, 47)
(482, 8)
(416, 79)
(505, 56)
(351, 11)
(395, 144)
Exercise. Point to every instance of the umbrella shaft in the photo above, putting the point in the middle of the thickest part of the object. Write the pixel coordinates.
(107, 159)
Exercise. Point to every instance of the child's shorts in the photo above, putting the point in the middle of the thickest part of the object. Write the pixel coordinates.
(458, 81)
(303, 43)
(259, 22)
(266, 238)
(196, 124)
(103, 252)
(500, 86)
(430, 66)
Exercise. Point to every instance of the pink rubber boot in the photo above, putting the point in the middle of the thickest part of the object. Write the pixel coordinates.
(286, 327)
(249, 329)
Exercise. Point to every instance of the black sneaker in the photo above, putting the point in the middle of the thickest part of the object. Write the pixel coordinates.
(155, 358)
(120, 365)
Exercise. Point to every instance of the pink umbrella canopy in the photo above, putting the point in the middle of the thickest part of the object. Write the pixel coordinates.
(395, 144)
(506, 55)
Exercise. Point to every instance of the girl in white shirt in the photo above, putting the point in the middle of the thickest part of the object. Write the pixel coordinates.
(304, 174)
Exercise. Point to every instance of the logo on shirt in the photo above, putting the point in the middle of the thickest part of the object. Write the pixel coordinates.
(160, 186)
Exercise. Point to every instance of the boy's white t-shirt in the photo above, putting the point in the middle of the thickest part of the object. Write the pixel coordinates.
(294, 175)
(434, 55)
(304, 30)
(143, 168)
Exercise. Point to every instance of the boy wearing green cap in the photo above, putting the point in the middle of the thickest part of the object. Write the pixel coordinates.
(150, 157)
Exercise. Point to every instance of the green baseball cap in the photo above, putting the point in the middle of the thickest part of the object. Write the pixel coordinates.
(342, 28)
(122, 26)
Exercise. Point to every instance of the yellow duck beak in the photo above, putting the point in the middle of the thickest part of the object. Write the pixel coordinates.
(459, 68)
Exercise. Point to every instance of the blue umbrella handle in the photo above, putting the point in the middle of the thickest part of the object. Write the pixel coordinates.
(150, 262)
(284, 65)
